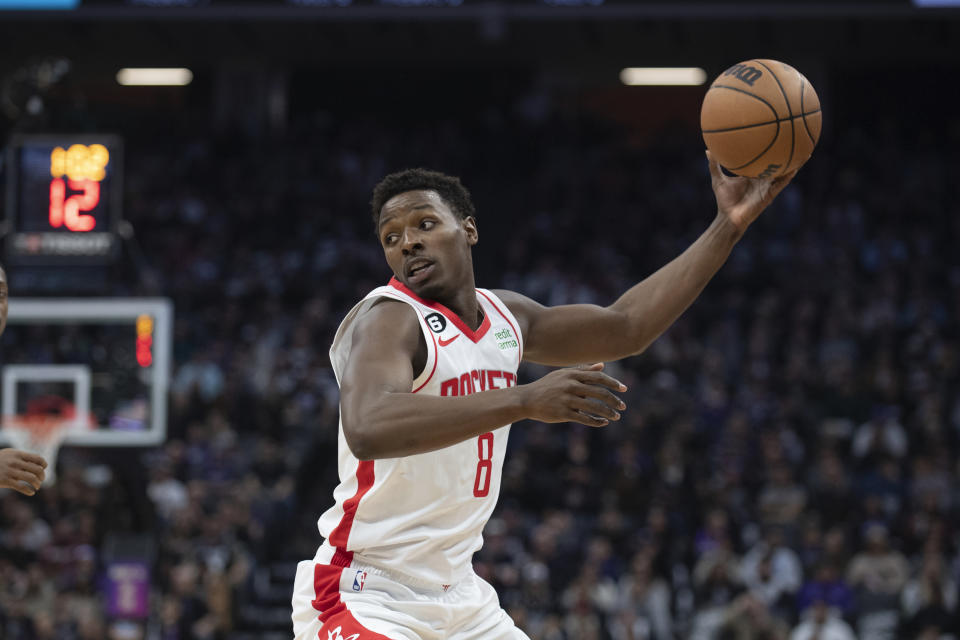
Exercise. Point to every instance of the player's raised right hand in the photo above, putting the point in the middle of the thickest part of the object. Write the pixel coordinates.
(574, 395)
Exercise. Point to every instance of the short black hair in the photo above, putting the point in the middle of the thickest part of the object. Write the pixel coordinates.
(450, 189)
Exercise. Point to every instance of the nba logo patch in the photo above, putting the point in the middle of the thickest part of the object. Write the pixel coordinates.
(358, 580)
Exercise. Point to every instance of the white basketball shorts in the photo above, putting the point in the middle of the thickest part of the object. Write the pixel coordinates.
(360, 602)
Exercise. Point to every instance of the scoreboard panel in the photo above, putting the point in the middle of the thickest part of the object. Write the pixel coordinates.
(64, 198)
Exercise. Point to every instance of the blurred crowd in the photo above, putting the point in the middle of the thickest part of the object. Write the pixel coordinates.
(786, 467)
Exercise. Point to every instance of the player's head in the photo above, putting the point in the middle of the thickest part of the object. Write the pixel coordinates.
(449, 188)
(425, 223)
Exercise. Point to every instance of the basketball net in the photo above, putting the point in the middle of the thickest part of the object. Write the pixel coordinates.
(39, 434)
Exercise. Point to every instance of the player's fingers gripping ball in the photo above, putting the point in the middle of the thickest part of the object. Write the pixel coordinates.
(761, 119)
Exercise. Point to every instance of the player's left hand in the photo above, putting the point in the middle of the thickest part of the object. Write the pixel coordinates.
(742, 200)
(21, 471)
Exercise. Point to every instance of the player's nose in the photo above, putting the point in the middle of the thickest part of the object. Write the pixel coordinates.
(410, 241)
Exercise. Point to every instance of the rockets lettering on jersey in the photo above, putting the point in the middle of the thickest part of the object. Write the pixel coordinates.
(422, 515)
(475, 381)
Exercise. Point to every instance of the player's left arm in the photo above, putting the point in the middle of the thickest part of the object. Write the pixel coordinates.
(580, 333)
(19, 470)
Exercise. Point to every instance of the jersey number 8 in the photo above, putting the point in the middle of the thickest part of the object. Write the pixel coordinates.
(481, 484)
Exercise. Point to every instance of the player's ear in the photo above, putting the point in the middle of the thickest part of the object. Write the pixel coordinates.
(469, 225)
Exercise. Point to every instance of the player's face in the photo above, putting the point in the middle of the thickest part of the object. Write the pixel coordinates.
(426, 244)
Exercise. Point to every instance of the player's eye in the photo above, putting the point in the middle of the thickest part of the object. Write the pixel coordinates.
(427, 224)
(390, 238)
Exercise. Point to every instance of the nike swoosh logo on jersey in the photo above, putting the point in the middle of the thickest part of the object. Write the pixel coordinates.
(444, 343)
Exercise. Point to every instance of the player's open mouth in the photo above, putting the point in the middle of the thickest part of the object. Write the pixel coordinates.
(418, 270)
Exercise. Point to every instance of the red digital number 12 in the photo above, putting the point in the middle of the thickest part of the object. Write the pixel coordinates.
(66, 211)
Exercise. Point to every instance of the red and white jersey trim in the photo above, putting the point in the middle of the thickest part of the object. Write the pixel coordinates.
(474, 335)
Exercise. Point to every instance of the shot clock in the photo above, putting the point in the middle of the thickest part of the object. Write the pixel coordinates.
(63, 198)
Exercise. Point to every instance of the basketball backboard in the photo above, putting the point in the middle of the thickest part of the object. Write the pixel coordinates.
(103, 364)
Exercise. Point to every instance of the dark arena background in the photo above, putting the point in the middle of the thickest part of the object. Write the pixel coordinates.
(788, 464)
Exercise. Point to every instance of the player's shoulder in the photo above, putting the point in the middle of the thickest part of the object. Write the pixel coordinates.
(390, 318)
(387, 311)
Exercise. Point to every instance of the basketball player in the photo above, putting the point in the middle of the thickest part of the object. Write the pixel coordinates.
(19, 470)
(427, 367)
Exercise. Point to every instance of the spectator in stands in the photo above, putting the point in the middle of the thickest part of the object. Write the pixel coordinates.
(882, 435)
(772, 573)
(877, 574)
(749, 618)
(644, 598)
(829, 483)
(826, 587)
(782, 500)
(929, 600)
(820, 623)
(717, 583)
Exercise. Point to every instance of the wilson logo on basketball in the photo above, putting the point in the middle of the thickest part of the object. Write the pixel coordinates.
(744, 73)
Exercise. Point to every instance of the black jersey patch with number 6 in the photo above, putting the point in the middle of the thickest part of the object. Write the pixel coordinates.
(437, 322)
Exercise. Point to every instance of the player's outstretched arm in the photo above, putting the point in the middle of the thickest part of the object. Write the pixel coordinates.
(21, 471)
(383, 419)
(588, 333)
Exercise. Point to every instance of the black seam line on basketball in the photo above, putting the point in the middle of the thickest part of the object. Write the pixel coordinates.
(769, 106)
(803, 114)
(807, 127)
(762, 153)
(759, 124)
(786, 100)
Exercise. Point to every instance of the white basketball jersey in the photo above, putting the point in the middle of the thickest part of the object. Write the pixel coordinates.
(423, 515)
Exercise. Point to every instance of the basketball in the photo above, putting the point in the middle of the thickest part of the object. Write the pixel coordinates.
(761, 119)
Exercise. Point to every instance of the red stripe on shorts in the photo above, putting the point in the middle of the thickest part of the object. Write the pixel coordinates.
(340, 536)
(334, 615)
